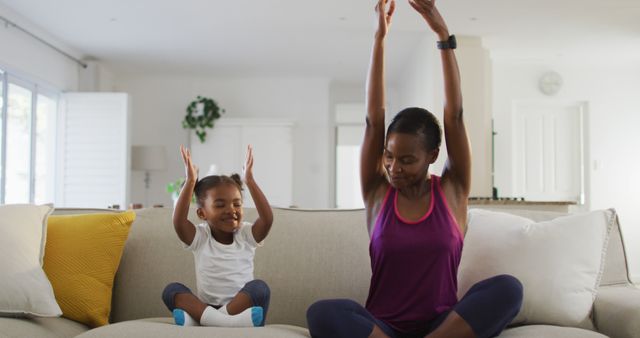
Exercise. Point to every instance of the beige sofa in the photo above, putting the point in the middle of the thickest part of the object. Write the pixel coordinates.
(309, 255)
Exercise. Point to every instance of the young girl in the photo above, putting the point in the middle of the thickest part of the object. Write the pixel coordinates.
(223, 247)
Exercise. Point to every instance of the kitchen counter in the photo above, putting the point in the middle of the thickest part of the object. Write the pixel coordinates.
(556, 206)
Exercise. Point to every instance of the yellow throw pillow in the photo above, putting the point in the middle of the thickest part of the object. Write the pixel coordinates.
(81, 258)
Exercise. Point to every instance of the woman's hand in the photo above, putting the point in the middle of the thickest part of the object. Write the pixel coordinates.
(428, 10)
(191, 171)
(384, 16)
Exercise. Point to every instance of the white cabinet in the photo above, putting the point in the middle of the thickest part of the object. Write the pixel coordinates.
(225, 149)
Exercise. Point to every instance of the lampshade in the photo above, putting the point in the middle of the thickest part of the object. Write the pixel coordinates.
(148, 158)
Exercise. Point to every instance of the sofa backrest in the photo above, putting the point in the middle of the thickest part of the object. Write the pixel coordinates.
(313, 255)
(616, 268)
(309, 255)
(152, 258)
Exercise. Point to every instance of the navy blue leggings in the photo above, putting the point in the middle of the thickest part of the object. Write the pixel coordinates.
(488, 307)
(257, 290)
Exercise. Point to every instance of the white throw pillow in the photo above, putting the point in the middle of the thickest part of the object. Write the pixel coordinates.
(24, 287)
(559, 262)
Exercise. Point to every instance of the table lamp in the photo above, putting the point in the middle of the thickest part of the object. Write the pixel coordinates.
(147, 159)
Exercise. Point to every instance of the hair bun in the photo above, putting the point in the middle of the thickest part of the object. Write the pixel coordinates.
(236, 178)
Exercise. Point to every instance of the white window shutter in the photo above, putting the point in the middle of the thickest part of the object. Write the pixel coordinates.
(93, 150)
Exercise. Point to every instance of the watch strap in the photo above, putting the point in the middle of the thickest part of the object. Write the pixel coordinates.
(451, 43)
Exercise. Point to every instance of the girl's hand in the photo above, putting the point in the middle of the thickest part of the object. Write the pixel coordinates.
(247, 170)
(184, 228)
(191, 171)
(384, 16)
(263, 223)
(428, 10)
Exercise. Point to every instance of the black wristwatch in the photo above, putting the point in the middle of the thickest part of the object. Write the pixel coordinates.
(449, 44)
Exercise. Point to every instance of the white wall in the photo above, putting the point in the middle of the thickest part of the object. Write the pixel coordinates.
(419, 85)
(422, 85)
(352, 93)
(96, 77)
(612, 92)
(159, 105)
(23, 55)
(475, 72)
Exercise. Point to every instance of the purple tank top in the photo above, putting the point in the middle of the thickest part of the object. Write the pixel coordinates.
(414, 264)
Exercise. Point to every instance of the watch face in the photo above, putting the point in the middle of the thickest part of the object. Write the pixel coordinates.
(550, 83)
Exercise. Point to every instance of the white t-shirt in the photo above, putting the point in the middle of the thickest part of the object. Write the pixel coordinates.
(222, 269)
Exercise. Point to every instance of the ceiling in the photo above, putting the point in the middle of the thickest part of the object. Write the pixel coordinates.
(330, 38)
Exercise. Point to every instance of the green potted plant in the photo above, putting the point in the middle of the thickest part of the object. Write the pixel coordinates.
(173, 188)
(201, 115)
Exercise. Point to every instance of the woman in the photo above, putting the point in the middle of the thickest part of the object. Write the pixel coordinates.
(416, 220)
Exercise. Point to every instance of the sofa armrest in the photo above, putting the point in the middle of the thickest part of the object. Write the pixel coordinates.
(617, 311)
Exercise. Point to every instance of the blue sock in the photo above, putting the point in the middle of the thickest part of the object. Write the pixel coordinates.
(182, 318)
(257, 316)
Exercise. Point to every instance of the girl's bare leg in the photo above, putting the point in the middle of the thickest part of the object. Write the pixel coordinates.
(239, 303)
(190, 304)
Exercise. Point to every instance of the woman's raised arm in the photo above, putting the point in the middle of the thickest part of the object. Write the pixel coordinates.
(371, 173)
(458, 167)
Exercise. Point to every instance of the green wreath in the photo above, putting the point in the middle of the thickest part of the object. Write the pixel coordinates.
(210, 112)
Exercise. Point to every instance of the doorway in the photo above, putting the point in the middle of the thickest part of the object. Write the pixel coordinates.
(548, 151)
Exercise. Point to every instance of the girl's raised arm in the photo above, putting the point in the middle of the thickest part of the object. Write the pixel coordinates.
(184, 228)
(263, 224)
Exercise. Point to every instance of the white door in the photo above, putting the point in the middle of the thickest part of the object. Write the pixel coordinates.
(548, 151)
(225, 150)
(93, 150)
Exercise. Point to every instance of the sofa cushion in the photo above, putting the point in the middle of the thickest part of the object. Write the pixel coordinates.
(56, 327)
(164, 327)
(82, 256)
(617, 311)
(549, 331)
(616, 270)
(559, 262)
(24, 287)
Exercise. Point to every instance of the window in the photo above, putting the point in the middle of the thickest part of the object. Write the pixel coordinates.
(18, 144)
(348, 192)
(349, 135)
(27, 141)
(45, 144)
